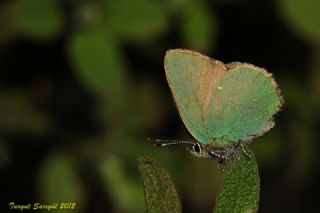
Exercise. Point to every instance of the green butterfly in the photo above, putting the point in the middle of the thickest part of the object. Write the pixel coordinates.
(223, 106)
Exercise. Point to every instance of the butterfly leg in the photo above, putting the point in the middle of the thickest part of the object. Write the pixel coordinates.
(221, 164)
(222, 155)
(243, 148)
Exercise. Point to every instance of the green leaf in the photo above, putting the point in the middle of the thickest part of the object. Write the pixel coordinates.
(198, 27)
(241, 187)
(58, 182)
(135, 19)
(303, 15)
(98, 62)
(160, 193)
(38, 18)
(126, 193)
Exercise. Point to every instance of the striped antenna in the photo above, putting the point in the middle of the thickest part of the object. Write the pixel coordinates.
(163, 142)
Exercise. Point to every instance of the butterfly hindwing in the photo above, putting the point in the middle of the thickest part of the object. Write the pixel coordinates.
(242, 103)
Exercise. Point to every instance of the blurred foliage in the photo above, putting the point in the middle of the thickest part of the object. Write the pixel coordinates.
(83, 86)
(38, 18)
(58, 181)
(120, 183)
(98, 62)
(19, 115)
(198, 27)
(135, 19)
(304, 16)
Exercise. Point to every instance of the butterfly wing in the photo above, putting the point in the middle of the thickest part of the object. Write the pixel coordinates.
(192, 76)
(242, 104)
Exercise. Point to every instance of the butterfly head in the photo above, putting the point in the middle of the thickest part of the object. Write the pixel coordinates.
(196, 149)
(200, 150)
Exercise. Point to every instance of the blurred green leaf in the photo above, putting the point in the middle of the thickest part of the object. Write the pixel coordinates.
(135, 19)
(303, 15)
(6, 29)
(241, 187)
(146, 109)
(160, 193)
(87, 13)
(19, 115)
(314, 79)
(98, 63)
(198, 27)
(125, 192)
(38, 18)
(58, 181)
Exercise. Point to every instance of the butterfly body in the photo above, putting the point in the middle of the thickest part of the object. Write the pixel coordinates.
(202, 150)
(223, 106)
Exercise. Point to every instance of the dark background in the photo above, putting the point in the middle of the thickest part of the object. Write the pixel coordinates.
(83, 86)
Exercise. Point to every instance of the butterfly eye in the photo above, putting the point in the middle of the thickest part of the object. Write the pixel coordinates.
(196, 148)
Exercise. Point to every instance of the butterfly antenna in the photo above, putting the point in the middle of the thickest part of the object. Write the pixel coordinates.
(163, 142)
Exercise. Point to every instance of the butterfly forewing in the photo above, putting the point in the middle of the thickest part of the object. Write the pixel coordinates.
(192, 78)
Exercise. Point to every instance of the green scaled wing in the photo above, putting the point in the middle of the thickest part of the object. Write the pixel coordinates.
(242, 104)
(233, 102)
(192, 78)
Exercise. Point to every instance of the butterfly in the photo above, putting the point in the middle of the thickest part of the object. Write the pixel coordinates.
(223, 106)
